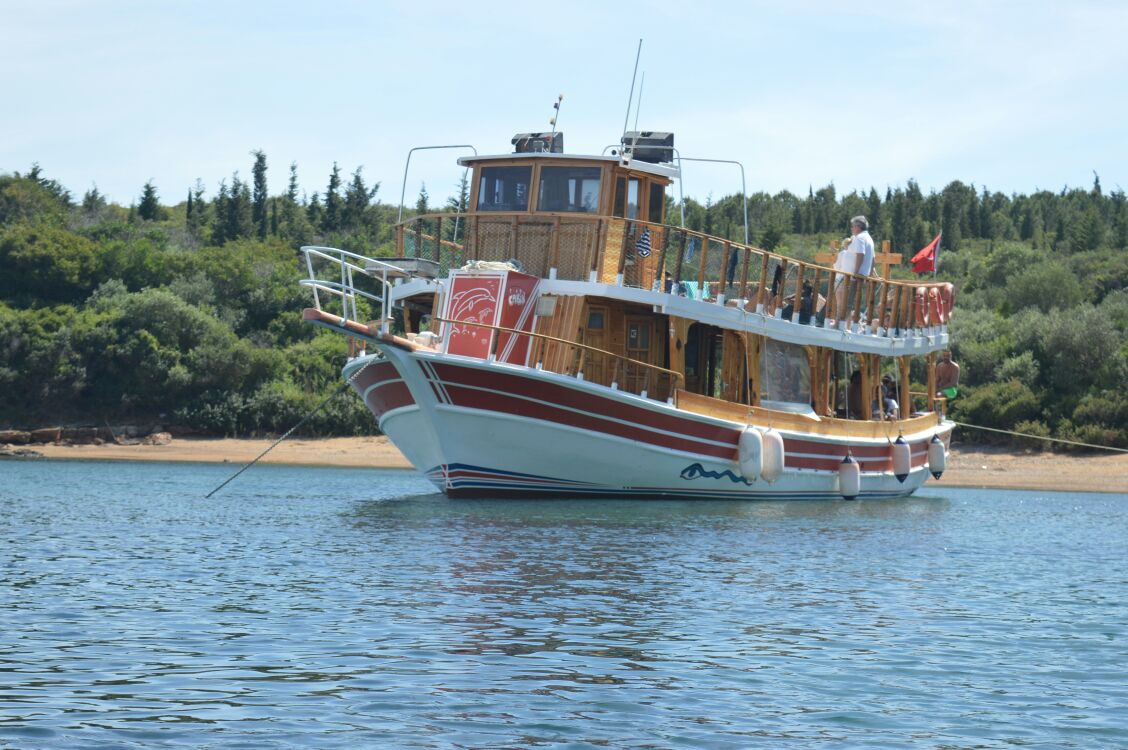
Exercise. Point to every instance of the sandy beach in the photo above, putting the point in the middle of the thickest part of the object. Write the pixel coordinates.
(969, 466)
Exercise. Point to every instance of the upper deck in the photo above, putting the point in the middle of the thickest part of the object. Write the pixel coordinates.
(599, 222)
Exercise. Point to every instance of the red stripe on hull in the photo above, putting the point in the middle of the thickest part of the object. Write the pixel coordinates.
(499, 402)
(584, 401)
(386, 391)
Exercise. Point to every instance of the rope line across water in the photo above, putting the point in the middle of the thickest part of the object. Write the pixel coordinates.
(290, 431)
(1040, 437)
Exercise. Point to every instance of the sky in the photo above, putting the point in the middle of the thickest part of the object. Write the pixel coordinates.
(1017, 96)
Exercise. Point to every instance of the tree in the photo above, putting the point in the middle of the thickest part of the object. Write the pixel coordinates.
(197, 217)
(357, 197)
(149, 209)
(239, 221)
(421, 202)
(331, 221)
(258, 199)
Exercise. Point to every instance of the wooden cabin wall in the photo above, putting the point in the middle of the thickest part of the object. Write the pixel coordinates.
(733, 362)
(565, 323)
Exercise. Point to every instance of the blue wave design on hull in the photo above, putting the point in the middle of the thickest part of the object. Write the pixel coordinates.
(697, 471)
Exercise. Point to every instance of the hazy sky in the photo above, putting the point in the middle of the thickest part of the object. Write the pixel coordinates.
(1017, 96)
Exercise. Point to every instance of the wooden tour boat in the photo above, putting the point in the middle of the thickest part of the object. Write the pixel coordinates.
(561, 339)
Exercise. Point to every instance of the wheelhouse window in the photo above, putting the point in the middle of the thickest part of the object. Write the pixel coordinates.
(657, 202)
(569, 189)
(626, 197)
(785, 373)
(504, 188)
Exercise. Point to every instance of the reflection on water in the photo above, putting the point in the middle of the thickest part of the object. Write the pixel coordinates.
(338, 608)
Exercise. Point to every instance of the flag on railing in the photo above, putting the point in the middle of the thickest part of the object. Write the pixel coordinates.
(642, 246)
(925, 260)
(690, 249)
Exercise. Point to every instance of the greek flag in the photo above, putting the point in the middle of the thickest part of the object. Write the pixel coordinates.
(642, 246)
(691, 249)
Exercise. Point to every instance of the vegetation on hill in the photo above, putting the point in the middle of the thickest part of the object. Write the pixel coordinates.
(188, 314)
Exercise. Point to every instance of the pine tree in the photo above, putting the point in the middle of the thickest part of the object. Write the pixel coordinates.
(198, 215)
(357, 198)
(239, 222)
(331, 221)
(219, 218)
(93, 201)
(258, 200)
(289, 213)
(314, 211)
(150, 208)
(274, 216)
(421, 202)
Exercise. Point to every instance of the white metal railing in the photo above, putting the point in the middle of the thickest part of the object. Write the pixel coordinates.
(345, 289)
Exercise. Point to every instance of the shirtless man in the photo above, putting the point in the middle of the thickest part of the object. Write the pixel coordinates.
(947, 373)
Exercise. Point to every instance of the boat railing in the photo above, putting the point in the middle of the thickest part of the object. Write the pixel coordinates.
(341, 283)
(648, 255)
(585, 362)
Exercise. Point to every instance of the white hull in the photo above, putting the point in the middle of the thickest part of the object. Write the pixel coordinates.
(490, 429)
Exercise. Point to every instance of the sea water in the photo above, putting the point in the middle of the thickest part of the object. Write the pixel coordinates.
(355, 608)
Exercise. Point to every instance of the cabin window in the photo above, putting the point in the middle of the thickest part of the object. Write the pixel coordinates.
(632, 198)
(595, 320)
(626, 198)
(574, 189)
(504, 188)
(657, 202)
(785, 373)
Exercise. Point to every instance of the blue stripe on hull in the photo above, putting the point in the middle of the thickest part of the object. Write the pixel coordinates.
(498, 483)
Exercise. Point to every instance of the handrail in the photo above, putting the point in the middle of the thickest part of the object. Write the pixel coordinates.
(600, 249)
(544, 336)
(580, 217)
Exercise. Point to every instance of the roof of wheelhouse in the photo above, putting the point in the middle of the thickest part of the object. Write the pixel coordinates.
(637, 165)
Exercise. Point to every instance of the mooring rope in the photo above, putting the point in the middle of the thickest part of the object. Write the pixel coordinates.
(1041, 437)
(290, 431)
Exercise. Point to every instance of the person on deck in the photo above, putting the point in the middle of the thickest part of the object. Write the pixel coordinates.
(947, 376)
(856, 258)
(889, 405)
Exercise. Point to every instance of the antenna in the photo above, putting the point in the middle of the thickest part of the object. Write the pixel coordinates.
(555, 116)
(630, 99)
(641, 85)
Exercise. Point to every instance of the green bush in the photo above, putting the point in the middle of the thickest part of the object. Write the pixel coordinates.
(1000, 405)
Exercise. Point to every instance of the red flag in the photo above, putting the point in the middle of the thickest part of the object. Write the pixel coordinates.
(925, 260)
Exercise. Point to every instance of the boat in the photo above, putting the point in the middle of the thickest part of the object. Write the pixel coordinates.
(562, 338)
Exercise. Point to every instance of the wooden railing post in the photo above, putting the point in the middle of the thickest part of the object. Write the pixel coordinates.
(554, 262)
(399, 240)
(815, 294)
(831, 297)
(744, 275)
(871, 290)
(681, 256)
(798, 297)
(438, 239)
(701, 265)
(763, 283)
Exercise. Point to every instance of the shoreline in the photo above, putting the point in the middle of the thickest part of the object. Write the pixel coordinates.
(968, 466)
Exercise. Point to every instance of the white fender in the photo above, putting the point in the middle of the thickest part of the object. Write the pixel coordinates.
(849, 477)
(937, 456)
(750, 452)
(773, 456)
(902, 459)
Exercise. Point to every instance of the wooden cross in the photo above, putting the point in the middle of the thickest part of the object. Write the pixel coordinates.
(885, 259)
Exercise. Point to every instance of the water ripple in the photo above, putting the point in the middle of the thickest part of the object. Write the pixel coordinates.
(342, 608)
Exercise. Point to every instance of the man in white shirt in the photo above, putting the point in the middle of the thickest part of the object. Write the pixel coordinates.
(855, 258)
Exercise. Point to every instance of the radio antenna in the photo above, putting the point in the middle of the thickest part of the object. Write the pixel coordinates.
(641, 86)
(555, 117)
(630, 99)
